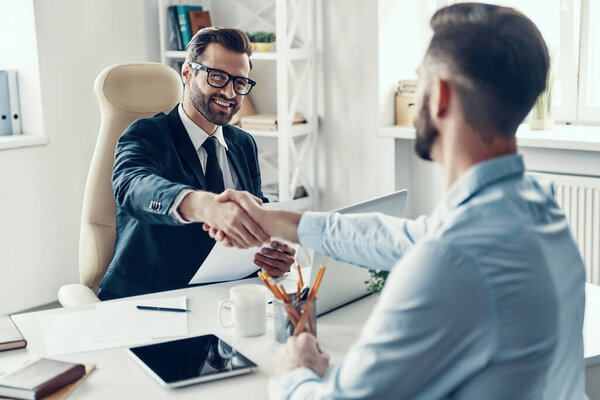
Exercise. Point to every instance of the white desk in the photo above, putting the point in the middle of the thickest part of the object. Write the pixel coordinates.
(118, 376)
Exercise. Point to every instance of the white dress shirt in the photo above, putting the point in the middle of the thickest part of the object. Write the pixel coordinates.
(198, 136)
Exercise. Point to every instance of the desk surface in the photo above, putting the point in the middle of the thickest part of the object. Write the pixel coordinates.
(118, 376)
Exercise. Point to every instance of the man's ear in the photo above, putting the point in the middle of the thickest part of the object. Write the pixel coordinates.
(440, 97)
(186, 73)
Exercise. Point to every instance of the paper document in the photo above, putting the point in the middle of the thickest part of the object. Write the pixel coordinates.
(112, 324)
(229, 263)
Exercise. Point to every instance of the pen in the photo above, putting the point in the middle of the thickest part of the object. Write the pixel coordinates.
(152, 308)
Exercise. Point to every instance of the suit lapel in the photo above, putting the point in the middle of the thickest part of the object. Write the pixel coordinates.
(236, 155)
(185, 147)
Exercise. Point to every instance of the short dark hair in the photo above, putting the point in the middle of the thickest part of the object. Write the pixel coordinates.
(231, 38)
(495, 57)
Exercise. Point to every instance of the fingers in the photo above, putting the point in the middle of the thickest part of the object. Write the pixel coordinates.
(271, 271)
(275, 258)
(235, 195)
(283, 247)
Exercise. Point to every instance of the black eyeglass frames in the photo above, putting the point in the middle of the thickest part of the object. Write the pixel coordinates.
(218, 79)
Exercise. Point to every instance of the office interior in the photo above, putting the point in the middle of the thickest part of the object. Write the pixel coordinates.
(363, 49)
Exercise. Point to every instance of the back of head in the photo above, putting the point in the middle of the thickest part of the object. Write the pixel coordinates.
(495, 57)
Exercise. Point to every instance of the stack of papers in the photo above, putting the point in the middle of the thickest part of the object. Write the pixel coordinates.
(113, 324)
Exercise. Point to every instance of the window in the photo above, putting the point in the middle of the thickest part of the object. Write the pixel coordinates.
(571, 29)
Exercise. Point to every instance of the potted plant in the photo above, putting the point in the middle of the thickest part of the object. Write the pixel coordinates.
(377, 280)
(261, 40)
(541, 114)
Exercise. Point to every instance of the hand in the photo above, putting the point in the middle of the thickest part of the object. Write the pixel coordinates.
(249, 203)
(276, 261)
(228, 217)
(276, 223)
(301, 351)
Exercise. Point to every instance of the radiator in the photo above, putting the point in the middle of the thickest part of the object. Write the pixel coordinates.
(579, 197)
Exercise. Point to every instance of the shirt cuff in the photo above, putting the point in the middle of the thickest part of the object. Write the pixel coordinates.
(311, 229)
(173, 213)
(283, 386)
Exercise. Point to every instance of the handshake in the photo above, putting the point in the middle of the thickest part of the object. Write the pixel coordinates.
(237, 219)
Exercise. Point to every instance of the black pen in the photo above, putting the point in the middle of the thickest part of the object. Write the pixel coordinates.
(152, 308)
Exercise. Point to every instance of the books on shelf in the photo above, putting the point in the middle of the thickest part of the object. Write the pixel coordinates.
(184, 23)
(10, 337)
(266, 122)
(39, 378)
(199, 20)
(174, 38)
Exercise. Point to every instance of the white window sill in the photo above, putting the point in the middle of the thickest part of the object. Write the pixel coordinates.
(17, 141)
(565, 137)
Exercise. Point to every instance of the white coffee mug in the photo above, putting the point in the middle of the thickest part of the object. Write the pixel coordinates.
(249, 310)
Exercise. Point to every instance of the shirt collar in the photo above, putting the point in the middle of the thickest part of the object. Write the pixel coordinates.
(197, 134)
(479, 177)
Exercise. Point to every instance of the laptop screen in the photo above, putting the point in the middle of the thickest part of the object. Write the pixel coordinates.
(344, 282)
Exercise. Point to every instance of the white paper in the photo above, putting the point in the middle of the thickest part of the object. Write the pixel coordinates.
(112, 324)
(230, 263)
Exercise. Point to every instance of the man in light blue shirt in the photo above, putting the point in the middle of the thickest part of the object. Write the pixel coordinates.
(485, 299)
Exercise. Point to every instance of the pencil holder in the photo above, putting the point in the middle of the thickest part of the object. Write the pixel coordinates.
(288, 316)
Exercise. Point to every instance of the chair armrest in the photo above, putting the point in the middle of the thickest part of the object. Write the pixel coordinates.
(76, 294)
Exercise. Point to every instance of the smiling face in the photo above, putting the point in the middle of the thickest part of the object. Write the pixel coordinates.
(217, 105)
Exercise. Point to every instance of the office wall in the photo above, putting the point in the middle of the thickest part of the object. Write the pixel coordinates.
(43, 186)
(354, 164)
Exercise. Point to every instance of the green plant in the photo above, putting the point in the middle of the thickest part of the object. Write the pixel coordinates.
(542, 109)
(261, 37)
(377, 280)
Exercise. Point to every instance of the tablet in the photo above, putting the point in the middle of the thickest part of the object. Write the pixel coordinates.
(192, 360)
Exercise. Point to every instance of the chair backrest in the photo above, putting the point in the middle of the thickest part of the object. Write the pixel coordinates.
(125, 93)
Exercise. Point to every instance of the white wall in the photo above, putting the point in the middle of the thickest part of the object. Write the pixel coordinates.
(42, 187)
(354, 163)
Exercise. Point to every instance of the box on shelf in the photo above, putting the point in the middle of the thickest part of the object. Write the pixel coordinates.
(406, 97)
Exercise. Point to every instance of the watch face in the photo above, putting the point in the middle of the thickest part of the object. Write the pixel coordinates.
(195, 359)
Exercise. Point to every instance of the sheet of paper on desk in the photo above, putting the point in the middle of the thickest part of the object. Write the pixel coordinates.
(228, 263)
(112, 324)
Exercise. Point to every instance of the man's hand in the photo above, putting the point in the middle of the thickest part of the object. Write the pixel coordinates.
(301, 351)
(276, 261)
(227, 217)
(276, 223)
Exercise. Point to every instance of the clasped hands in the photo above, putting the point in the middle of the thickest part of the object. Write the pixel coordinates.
(236, 221)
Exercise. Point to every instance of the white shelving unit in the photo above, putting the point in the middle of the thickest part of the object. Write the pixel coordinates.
(295, 83)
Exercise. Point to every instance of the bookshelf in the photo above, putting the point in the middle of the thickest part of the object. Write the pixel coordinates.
(288, 154)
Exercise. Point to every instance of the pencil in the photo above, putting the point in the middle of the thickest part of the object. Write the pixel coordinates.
(300, 275)
(299, 327)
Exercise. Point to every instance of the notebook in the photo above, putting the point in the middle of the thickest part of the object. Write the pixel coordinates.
(343, 282)
(39, 378)
(10, 337)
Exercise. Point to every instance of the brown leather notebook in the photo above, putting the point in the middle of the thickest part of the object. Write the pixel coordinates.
(39, 378)
(10, 337)
(199, 20)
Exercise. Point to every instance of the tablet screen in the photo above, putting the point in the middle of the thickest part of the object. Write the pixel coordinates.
(191, 360)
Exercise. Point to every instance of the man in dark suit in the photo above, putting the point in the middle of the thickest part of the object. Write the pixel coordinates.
(169, 169)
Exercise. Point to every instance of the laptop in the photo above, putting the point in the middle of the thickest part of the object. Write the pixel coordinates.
(344, 283)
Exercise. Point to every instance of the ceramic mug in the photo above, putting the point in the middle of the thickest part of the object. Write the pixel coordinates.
(248, 305)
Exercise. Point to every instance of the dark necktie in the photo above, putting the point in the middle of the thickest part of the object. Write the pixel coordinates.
(213, 173)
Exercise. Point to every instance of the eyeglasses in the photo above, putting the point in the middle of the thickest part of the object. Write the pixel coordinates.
(218, 79)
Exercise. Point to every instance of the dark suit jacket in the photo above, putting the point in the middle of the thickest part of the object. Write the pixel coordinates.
(154, 160)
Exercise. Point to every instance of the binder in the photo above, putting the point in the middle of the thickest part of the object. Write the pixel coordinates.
(10, 115)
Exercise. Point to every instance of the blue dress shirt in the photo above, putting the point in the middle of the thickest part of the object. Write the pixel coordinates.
(485, 299)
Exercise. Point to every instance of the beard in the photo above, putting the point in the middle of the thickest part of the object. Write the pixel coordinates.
(202, 103)
(426, 132)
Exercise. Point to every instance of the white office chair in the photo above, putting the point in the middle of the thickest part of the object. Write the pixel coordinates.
(125, 93)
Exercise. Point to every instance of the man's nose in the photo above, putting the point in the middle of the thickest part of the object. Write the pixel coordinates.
(228, 91)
